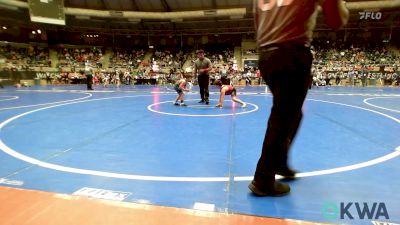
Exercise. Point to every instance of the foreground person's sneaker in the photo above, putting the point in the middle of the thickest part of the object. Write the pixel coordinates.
(287, 173)
(276, 190)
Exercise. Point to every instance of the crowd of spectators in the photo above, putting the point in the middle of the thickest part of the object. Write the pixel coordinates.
(124, 58)
(334, 64)
(76, 57)
(354, 65)
(23, 58)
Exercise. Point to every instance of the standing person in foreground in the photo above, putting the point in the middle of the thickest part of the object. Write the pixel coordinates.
(227, 90)
(201, 68)
(284, 34)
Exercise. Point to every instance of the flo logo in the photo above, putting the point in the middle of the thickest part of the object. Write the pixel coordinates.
(354, 210)
(370, 15)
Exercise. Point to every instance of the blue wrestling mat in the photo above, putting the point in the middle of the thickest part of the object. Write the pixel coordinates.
(132, 144)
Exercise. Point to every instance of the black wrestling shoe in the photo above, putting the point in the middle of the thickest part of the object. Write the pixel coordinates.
(201, 101)
(207, 102)
(278, 189)
(287, 173)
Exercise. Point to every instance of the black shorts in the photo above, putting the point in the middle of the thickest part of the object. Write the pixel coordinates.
(178, 89)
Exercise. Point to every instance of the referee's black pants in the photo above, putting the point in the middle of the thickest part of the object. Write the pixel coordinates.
(287, 72)
(204, 81)
(89, 81)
